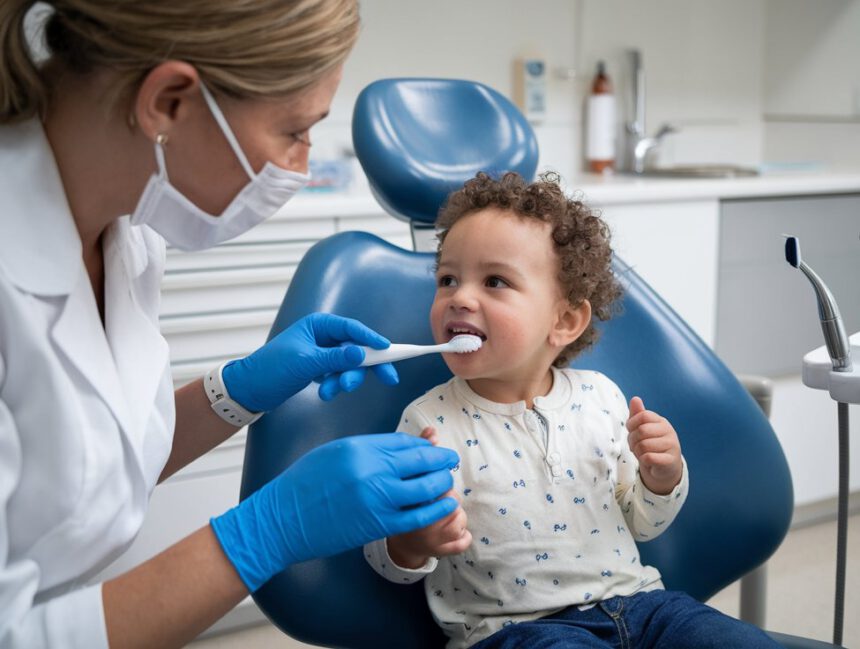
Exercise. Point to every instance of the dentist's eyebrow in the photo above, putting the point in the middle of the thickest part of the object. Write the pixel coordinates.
(306, 123)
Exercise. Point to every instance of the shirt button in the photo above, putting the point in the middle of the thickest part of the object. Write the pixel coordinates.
(556, 470)
(554, 457)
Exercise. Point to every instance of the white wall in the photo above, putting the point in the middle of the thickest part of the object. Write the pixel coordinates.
(702, 63)
(476, 40)
(812, 56)
(814, 144)
(702, 59)
(732, 75)
(812, 86)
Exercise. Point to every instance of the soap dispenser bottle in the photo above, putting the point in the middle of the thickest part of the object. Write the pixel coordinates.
(600, 124)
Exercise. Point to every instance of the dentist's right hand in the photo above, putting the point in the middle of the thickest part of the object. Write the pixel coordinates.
(339, 496)
(319, 346)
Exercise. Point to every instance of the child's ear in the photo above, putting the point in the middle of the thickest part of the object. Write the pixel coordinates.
(570, 323)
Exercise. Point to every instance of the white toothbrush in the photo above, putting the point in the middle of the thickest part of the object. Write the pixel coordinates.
(461, 344)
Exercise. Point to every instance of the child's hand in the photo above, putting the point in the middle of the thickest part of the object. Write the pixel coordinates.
(444, 537)
(447, 536)
(430, 435)
(655, 444)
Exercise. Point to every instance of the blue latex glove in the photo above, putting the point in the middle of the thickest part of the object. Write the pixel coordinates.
(310, 349)
(339, 496)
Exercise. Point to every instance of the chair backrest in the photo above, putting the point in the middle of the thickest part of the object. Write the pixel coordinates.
(423, 137)
(740, 500)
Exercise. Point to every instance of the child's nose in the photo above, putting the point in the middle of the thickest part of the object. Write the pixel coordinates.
(464, 298)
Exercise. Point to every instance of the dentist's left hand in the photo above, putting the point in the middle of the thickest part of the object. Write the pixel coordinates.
(311, 349)
(338, 496)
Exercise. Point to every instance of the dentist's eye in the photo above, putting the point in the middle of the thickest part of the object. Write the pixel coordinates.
(496, 282)
(446, 280)
(302, 137)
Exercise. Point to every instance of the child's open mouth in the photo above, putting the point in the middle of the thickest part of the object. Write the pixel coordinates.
(459, 329)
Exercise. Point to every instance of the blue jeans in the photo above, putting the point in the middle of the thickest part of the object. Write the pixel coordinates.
(658, 619)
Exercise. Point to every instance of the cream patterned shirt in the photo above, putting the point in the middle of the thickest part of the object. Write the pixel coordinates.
(554, 502)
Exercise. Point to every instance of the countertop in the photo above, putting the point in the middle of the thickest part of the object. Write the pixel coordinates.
(618, 189)
(623, 188)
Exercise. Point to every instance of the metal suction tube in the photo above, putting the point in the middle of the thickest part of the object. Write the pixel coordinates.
(835, 337)
(831, 322)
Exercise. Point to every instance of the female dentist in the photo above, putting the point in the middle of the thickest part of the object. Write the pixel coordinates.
(146, 119)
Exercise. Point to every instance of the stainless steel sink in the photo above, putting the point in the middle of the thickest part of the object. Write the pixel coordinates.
(701, 171)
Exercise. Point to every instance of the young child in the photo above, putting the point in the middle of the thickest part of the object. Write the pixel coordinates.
(558, 476)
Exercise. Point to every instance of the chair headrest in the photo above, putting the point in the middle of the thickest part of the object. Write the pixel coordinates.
(420, 139)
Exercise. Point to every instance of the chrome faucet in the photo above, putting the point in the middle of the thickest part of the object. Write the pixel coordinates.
(638, 144)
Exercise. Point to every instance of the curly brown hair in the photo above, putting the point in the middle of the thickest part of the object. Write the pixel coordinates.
(580, 237)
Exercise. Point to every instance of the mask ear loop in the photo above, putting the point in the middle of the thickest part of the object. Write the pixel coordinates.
(225, 128)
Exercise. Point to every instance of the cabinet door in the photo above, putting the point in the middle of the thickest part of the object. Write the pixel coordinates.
(767, 315)
(673, 247)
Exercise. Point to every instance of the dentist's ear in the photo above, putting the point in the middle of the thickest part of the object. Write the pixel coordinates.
(570, 323)
(168, 93)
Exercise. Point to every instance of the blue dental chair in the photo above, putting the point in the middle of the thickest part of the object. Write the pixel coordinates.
(419, 139)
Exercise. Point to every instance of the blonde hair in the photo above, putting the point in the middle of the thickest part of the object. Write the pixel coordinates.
(243, 48)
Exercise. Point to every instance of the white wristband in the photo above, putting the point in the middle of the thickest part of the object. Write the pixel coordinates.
(229, 410)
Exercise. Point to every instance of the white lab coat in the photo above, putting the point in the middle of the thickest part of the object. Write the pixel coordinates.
(86, 412)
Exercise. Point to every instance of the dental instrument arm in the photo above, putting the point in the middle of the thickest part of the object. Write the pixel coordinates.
(839, 377)
(828, 311)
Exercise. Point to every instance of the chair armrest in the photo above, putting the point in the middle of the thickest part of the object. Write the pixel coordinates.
(760, 388)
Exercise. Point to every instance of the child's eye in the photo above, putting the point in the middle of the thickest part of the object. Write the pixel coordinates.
(446, 280)
(496, 282)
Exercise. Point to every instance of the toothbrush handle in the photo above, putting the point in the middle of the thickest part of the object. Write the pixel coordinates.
(395, 352)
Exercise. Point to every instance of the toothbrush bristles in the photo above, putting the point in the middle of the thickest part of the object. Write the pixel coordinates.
(465, 343)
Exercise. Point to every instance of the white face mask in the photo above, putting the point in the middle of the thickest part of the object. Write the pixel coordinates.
(184, 225)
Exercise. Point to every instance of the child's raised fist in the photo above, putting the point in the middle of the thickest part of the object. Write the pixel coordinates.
(655, 444)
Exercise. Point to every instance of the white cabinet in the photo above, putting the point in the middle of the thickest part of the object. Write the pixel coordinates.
(768, 319)
(673, 247)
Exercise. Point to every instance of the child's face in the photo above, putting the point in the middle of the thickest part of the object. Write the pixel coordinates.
(497, 278)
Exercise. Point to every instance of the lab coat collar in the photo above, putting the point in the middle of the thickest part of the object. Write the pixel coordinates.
(77, 337)
(40, 249)
(139, 350)
(127, 360)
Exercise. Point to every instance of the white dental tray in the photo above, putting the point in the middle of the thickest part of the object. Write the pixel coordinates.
(818, 373)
